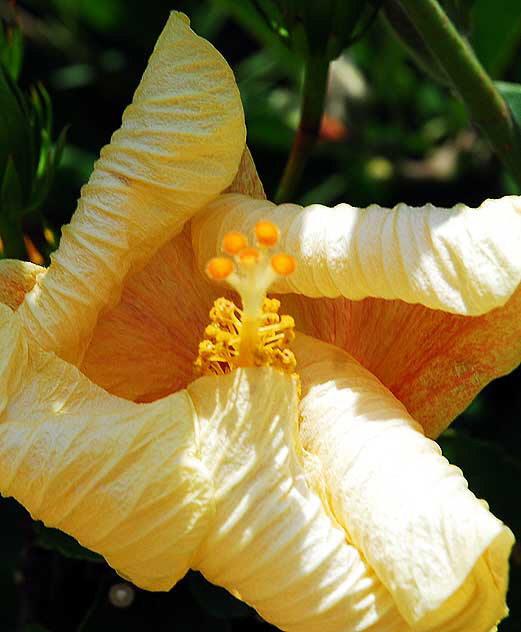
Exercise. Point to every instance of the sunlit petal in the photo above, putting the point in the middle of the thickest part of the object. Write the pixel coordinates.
(272, 542)
(439, 551)
(179, 145)
(122, 478)
(459, 260)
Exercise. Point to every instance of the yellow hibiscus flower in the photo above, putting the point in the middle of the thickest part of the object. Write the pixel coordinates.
(320, 500)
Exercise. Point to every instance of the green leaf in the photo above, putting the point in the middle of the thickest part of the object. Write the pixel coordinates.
(28, 157)
(11, 49)
(399, 23)
(50, 156)
(11, 210)
(272, 13)
(59, 146)
(15, 132)
(460, 12)
(215, 600)
(511, 92)
(496, 33)
(46, 106)
(56, 540)
(11, 204)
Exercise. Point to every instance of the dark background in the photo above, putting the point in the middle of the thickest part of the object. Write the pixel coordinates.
(392, 134)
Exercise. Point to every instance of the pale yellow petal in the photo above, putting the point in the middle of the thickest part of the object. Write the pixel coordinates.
(16, 279)
(272, 541)
(460, 260)
(122, 478)
(438, 550)
(179, 145)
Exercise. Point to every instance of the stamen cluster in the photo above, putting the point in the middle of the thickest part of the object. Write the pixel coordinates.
(219, 351)
(255, 335)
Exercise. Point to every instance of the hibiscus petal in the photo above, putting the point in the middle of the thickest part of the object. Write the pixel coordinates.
(122, 478)
(272, 542)
(460, 260)
(16, 279)
(144, 348)
(435, 363)
(179, 145)
(437, 549)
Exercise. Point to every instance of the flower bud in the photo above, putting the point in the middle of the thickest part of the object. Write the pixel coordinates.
(323, 28)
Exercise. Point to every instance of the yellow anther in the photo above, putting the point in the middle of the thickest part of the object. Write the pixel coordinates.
(267, 233)
(219, 268)
(271, 305)
(220, 351)
(233, 242)
(223, 311)
(249, 255)
(283, 264)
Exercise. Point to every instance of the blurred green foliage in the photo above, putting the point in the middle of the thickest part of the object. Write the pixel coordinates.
(391, 133)
(28, 156)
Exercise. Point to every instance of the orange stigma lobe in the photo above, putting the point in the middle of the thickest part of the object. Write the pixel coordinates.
(283, 264)
(249, 255)
(267, 233)
(233, 242)
(219, 268)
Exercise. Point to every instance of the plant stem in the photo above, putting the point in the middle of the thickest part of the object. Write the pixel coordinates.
(469, 79)
(311, 111)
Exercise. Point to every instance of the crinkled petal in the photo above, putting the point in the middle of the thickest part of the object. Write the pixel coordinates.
(122, 478)
(460, 260)
(179, 145)
(437, 549)
(16, 279)
(272, 542)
